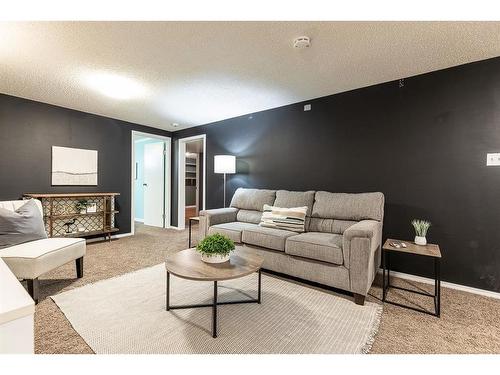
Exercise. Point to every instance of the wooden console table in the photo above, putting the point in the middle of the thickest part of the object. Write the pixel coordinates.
(62, 219)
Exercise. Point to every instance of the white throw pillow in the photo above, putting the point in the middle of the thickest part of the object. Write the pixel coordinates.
(292, 219)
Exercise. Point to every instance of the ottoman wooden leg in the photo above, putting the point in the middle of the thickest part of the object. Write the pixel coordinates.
(79, 267)
(33, 289)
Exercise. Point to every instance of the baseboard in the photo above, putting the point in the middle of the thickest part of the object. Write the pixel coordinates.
(176, 228)
(121, 235)
(139, 220)
(446, 284)
(115, 236)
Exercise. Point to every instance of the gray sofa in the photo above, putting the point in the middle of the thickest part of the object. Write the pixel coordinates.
(340, 247)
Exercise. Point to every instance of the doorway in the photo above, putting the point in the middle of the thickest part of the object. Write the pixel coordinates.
(150, 180)
(192, 157)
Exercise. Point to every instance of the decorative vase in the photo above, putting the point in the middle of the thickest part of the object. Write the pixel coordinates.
(419, 240)
(214, 258)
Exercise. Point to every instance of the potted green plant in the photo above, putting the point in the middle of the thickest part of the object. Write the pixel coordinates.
(421, 228)
(215, 248)
(81, 206)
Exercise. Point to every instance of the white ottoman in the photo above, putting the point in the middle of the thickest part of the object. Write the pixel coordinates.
(32, 259)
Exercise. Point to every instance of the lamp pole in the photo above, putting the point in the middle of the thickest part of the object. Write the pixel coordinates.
(224, 190)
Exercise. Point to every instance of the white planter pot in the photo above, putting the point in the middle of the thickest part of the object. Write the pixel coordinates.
(216, 258)
(419, 240)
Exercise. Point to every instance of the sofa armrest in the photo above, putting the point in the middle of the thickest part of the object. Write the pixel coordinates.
(361, 246)
(216, 216)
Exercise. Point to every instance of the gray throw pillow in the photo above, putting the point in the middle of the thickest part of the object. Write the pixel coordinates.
(22, 225)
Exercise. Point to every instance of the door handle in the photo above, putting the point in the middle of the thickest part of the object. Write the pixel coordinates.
(144, 184)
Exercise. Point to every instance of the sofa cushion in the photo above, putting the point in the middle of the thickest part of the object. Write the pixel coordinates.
(32, 259)
(317, 224)
(326, 247)
(266, 237)
(252, 199)
(232, 230)
(346, 206)
(21, 225)
(249, 216)
(289, 199)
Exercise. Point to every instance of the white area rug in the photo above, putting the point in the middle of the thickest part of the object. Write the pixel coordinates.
(127, 314)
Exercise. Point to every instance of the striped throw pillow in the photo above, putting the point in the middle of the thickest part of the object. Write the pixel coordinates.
(284, 218)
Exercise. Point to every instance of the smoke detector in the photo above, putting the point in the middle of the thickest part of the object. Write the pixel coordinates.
(174, 124)
(302, 42)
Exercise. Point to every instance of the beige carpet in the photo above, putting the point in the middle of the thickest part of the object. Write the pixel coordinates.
(469, 323)
(126, 315)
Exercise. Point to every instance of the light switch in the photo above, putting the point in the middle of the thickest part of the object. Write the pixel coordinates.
(493, 159)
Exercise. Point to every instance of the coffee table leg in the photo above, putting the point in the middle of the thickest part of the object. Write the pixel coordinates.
(214, 312)
(214, 302)
(168, 290)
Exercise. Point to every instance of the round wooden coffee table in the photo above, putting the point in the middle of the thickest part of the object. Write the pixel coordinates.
(187, 264)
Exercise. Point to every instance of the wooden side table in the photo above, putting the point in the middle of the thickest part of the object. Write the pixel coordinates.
(428, 250)
(191, 219)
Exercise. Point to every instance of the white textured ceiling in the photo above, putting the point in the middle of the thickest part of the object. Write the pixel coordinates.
(194, 73)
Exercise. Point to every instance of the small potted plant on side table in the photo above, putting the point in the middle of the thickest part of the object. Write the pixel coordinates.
(421, 228)
(81, 206)
(215, 248)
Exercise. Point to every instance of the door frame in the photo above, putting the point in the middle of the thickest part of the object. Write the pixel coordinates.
(167, 184)
(181, 186)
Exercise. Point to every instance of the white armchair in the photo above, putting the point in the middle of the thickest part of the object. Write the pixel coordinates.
(32, 259)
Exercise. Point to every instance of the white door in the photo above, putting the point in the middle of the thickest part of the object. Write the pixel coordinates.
(154, 184)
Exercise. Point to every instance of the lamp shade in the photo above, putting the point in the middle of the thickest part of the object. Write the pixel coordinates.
(224, 164)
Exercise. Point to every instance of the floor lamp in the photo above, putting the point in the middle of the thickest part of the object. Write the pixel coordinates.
(224, 164)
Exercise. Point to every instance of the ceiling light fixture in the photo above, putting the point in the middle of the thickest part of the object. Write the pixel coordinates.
(114, 85)
(302, 42)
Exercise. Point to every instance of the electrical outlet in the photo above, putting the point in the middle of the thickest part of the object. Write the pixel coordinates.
(307, 107)
(493, 159)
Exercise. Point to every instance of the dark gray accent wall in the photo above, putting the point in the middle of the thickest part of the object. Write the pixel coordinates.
(423, 145)
(29, 129)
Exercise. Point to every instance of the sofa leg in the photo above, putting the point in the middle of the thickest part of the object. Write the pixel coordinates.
(33, 289)
(79, 267)
(359, 299)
